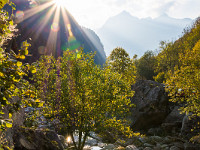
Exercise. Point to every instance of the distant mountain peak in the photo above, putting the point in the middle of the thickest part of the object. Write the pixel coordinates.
(138, 35)
(126, 13)
(164, 15)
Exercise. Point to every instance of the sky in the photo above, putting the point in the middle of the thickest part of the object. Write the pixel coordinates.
(94, 13)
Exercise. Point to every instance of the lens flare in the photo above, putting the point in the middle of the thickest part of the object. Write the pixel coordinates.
(55, 27)
(33, 4)
(59, 3)
(69, 139)
(19, 14)
(69, 30)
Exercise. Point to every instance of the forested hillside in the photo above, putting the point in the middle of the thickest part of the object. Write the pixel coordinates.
(177, 65)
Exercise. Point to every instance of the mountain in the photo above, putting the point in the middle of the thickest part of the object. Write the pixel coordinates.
(52, 34)
(139, 35)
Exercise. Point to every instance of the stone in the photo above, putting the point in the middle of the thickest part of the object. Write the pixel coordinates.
(157, 139)
(120, 148)
(101, 145)
(148, 145)
(190, 146)
(179, 145)
(148, 148)
(131, 147)
(174, 116)
(164, 146)
(63, 141)
(109, 147)
(157, 147)
(87, 147)
(151, 102)
(36, 139)
(167, 140)
(91, 142)
(174, 148)
(154, 131)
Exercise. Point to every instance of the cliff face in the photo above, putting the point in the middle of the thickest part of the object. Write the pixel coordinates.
(52, 31)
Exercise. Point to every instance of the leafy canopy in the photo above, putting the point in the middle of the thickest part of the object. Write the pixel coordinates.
(82, 96)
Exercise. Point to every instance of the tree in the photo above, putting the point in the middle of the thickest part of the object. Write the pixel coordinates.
(145, 66)
(83, 96)
(184, 83)
(168, 57)
(120, 62)
(12, 72)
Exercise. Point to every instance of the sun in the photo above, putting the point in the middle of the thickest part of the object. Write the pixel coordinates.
(60, 3)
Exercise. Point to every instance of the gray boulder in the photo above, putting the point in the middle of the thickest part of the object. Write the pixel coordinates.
(131, 147)
(30, 139)
(151, 102)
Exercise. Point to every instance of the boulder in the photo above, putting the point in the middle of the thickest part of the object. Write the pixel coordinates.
(190, 146)
(190, 123)
(175, 116)
(174, 148)
(131, 147)
(151, 102)
(173, 122)
(109, 147)
(29, 139)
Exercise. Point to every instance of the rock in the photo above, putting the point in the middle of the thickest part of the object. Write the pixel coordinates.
(148, 148)
(95, 136)
(148, 145)
(190, 122)
(174, 116)
(63, 141)
(173, 122)
(151, 102)
(101, 145)
(158, 145)
(91, 142)
(154, 131)
(109, 147)
(167, 140)
(179, 145)
(157, 139)
(120, 148)
(136, 141)
(174, 148)
(87, 147)
(131, 147)
(189, 146)
(25, 139)
(169, 128)
(164, 146)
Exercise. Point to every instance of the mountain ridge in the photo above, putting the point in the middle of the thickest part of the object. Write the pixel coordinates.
(137, 35)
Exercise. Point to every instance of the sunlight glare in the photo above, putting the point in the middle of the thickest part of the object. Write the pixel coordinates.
(69, 139)
(60, 3)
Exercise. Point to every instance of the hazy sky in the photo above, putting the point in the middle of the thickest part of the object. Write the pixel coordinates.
(94, 13)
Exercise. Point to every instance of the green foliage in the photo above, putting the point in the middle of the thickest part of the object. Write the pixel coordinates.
(15, 91)
(120, 62)
(145, 66)
(187, 79)
(2, 3)
(160, 77)
(81, 95)
(170, 55)
(184, 84)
